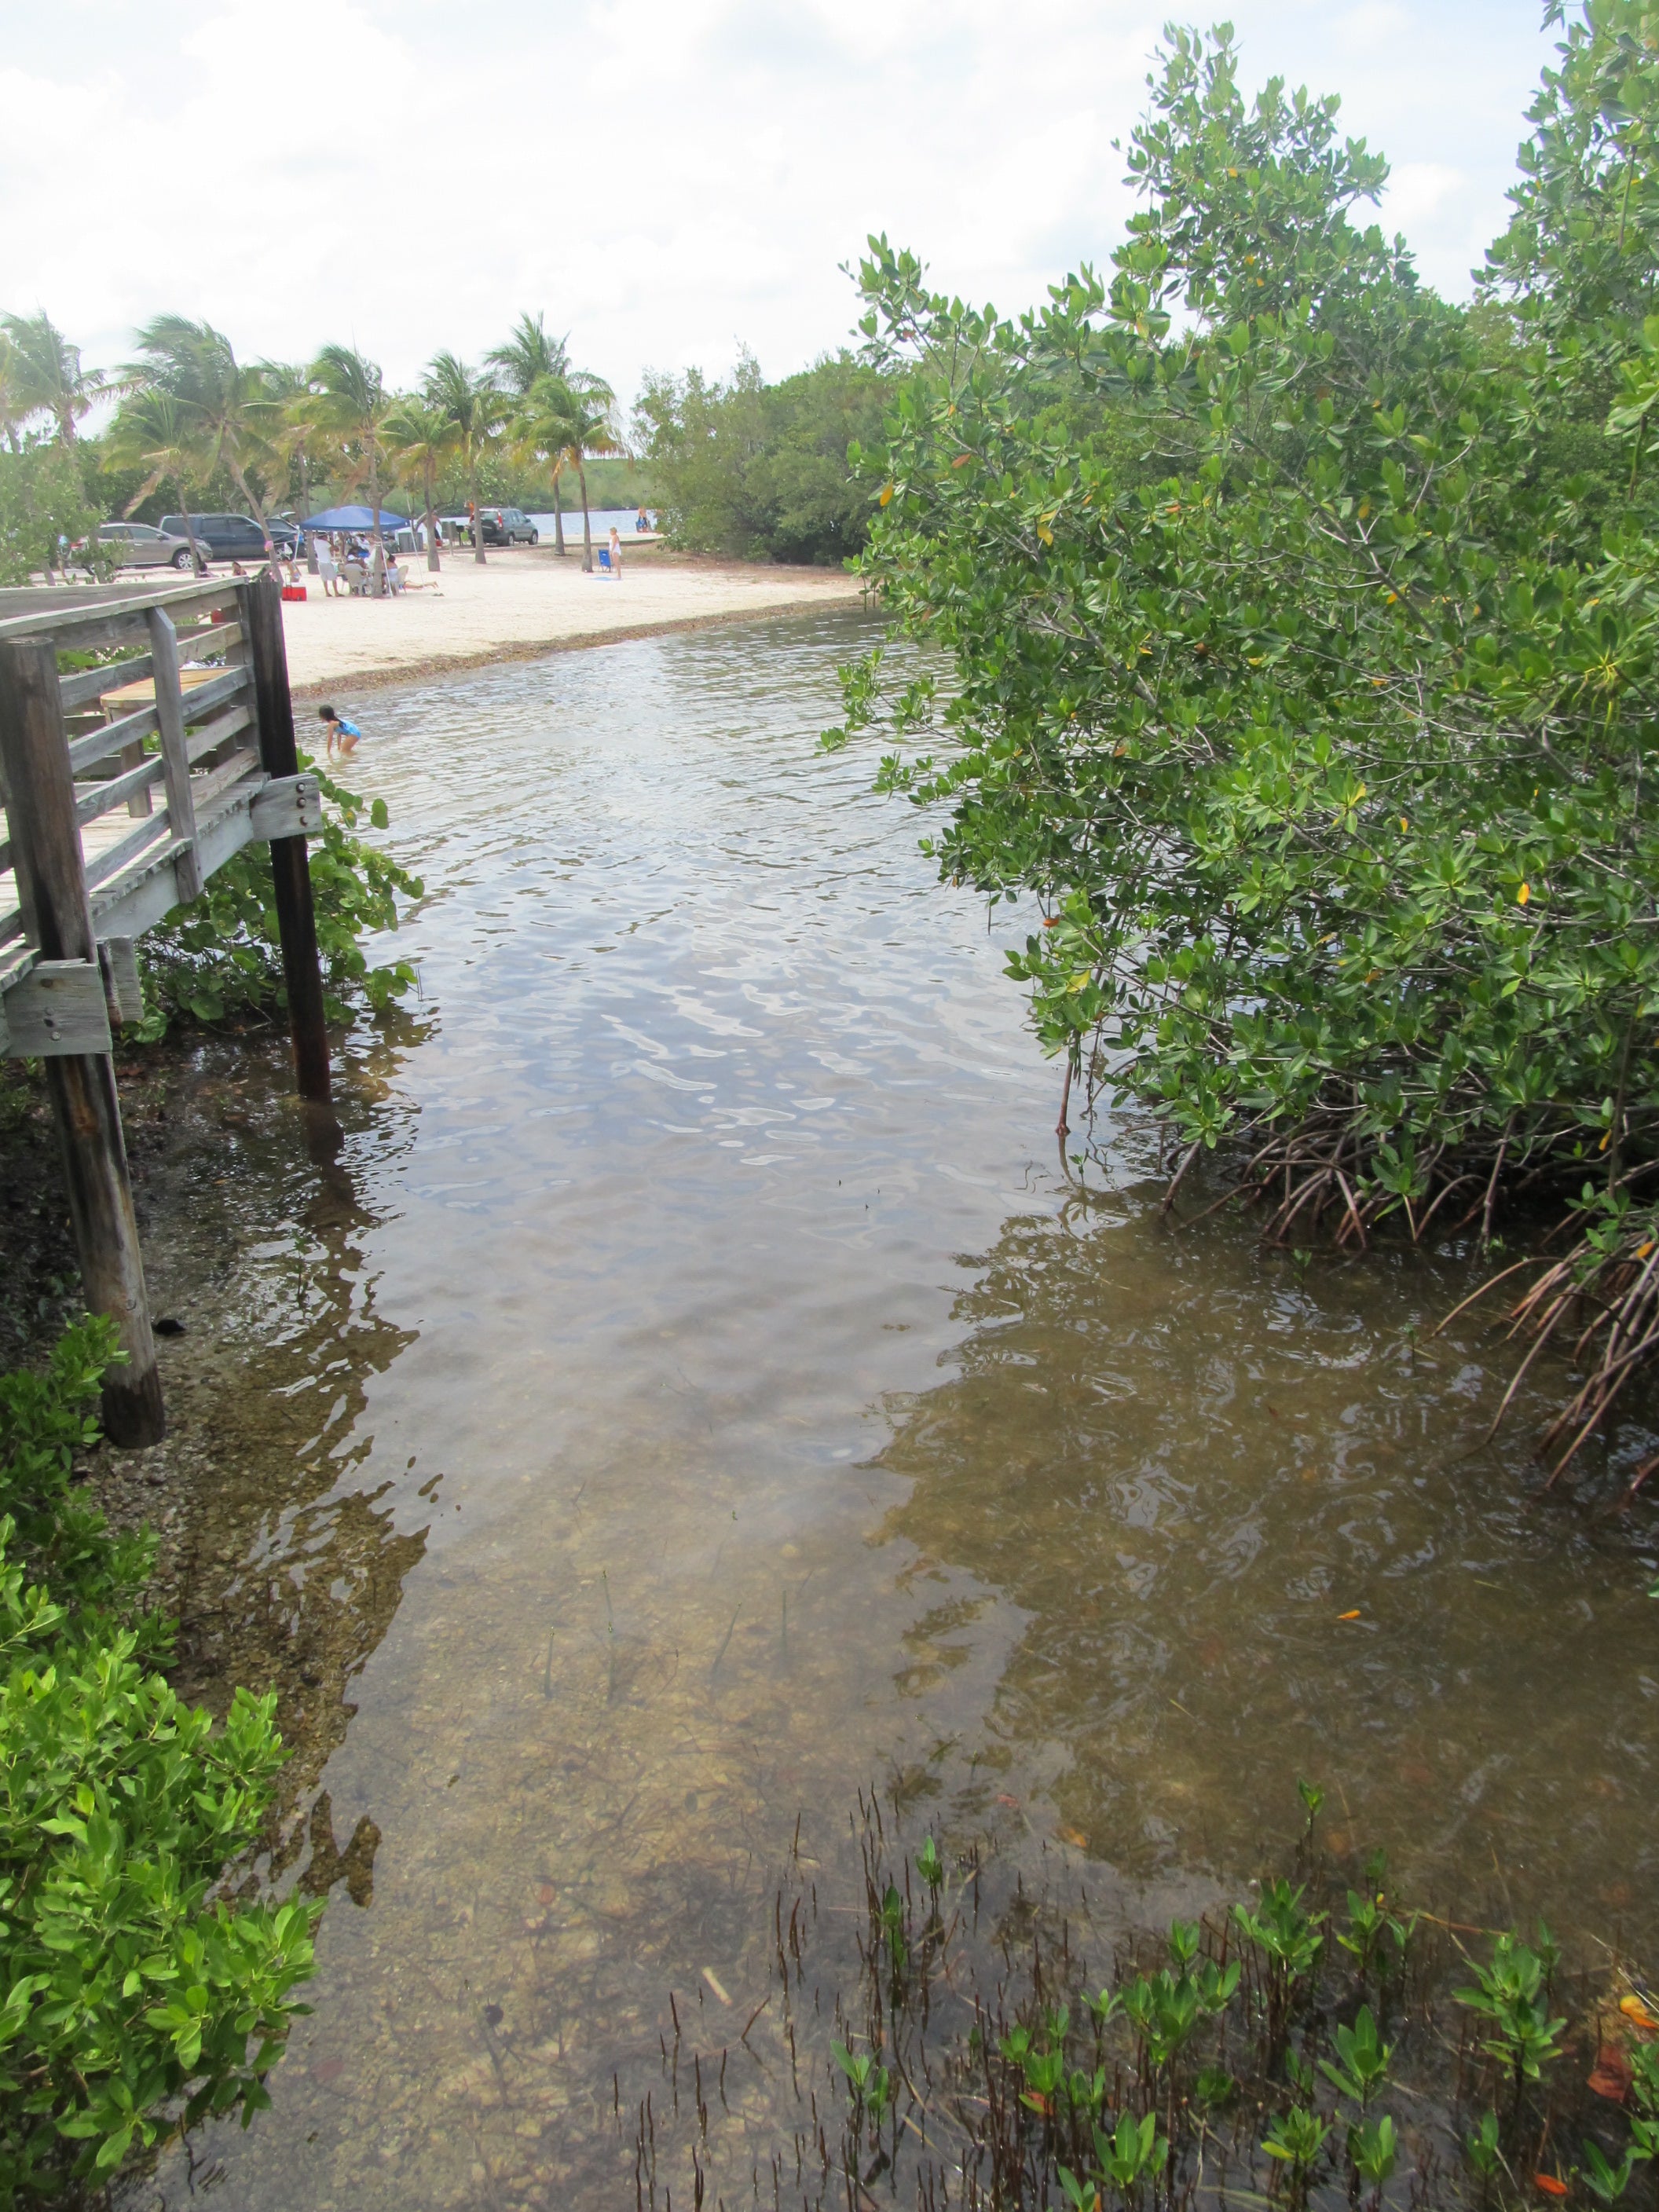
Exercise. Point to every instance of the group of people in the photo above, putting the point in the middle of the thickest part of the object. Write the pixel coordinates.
(339, 552)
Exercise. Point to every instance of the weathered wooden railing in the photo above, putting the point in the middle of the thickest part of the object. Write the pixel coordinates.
(90, 862)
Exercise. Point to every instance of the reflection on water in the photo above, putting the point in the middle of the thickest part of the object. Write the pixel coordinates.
(694, 1394)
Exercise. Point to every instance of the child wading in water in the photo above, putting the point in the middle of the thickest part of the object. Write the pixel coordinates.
(341, 732)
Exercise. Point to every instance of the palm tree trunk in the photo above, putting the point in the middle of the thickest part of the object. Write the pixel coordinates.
(558, 511)
(478, 519)
(195, 560)
(374, 500)
(432, 560)
(259, 512)
(587, 535)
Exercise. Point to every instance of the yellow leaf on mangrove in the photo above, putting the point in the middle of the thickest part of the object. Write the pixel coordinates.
(1523, 895)
(886, 494)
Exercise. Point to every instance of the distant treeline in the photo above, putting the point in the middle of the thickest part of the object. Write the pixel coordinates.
(760, 471)
(610, 483)
(194, 427)
(741, 467)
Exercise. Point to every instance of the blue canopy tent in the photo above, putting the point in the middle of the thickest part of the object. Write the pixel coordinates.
(354, 518)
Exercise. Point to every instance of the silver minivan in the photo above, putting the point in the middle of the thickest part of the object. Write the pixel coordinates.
(140, 545)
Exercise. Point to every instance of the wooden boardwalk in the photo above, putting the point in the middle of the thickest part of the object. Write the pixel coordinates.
(128, 780)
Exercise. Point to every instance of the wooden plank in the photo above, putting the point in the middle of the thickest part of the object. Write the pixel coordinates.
(87, 683)
(215, 688)
(175, 760)
(141, 693)
(45, 837)
(245, 761)
(99, 622)
(223, 685)
(217, 733)
(118, 956)
(148, 891)
(52, 882)
(104, 798)
(58, 1008)
(209, 638)
(289, 806)
(110, 862)
(98, 744)
(143, 800)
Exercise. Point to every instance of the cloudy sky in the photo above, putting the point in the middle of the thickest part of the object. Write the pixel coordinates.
(665, 179)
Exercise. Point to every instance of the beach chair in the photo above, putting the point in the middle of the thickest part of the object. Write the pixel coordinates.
(357, 578)
(605, 560)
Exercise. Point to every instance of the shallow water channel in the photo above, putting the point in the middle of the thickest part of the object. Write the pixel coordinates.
(697, 1395)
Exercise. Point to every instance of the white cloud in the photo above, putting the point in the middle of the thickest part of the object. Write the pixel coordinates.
(1417, 189)
(663, 177)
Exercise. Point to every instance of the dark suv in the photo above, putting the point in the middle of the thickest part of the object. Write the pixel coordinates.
(508, 525)
(222, 536)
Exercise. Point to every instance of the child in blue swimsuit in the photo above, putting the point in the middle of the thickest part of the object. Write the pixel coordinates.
(341, 732)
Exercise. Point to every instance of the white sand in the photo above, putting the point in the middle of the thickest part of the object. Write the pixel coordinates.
(522, 602)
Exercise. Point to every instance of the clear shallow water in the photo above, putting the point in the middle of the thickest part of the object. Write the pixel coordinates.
(600, 520)
(697, 1395)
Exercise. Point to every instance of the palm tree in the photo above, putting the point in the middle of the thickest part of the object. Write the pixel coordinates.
(474, 404)
(528, 356)
(418, 436)
(291, 437)
(221, 401)
(49, 377)
(543, 425)
(348, 398)
(152, 431)
(577, 411)
(14, 409)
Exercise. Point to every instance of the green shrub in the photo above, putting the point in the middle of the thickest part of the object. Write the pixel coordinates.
(1303, 629)
(133, 2001)
(760, 469)
(220, 956)
(42, 507)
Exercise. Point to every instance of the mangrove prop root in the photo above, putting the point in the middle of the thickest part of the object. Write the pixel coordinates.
(1321, 1172)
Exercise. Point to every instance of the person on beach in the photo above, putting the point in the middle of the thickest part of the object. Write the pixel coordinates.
(341, 732)
(616, 553)
(641, 521)
(328, 568)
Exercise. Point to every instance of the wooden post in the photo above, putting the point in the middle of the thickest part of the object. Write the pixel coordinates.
(51, 884)
(261, 607)
(175, 760)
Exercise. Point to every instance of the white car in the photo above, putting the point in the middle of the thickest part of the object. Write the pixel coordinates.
(140, 545)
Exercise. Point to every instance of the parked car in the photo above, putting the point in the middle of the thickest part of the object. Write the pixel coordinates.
(506, 525)
(140, 545)
(222, 536)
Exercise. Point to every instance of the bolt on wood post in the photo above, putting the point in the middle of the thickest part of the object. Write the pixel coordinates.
(51, 884)
(261, 606)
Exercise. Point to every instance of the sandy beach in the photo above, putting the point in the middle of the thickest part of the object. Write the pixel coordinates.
(525, 602)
